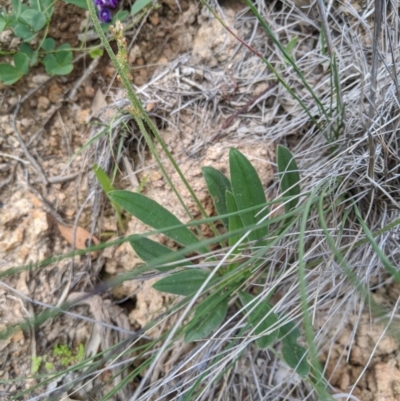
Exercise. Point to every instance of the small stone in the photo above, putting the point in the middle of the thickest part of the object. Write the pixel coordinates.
(12, 101)
(134, 53)
(5, 36)
(43, 103)
(162, 61)
(55, 92)
(82, 116)
(40, 79)
(139, 81)
(140, 61)
(89, 91)
(26, 122)
(109, 71)
(5, 125)
(154, 19)
(15, 43)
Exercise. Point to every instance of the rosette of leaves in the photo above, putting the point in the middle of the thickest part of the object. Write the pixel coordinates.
(242, 207)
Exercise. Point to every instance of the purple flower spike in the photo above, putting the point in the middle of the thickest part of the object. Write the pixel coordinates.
(105, 15)
(112, 3)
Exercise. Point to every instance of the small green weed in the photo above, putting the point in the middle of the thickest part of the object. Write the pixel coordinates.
(66, 356)
(242, 206)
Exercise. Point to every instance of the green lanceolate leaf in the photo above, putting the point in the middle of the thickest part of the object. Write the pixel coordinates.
(235, 222)
(209, 316)
(248, 192)
(155, 215)
(186, 282)
(289, 177)
(261, 318)
(217, 185)
(103, 179)
(149, 250)
(107, 187)
(292, 353)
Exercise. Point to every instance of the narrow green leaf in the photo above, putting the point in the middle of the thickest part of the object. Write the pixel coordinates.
(292, 353)
(154, 215)
(149, 250)
(9, 74)
(209, 316)
(34, 18)
(261, 318)
(289, 47)
(103, 179)
(235, 222)
(107, 187)
(185, 283)
(217, 185)
(248, 192)
(138, 5)
(391, 269)
(289, 177)
(21, 61)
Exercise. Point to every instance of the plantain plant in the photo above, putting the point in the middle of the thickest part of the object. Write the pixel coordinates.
(243, 210)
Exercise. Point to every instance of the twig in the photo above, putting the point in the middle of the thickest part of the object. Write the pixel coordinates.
(13, 157)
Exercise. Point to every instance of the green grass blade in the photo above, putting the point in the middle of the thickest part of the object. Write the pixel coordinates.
(154, 215)
(186, 282)
(217, 185)
(149, 250)
(289, 176)
(392, 270)
(248, 191)
(261, 319)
